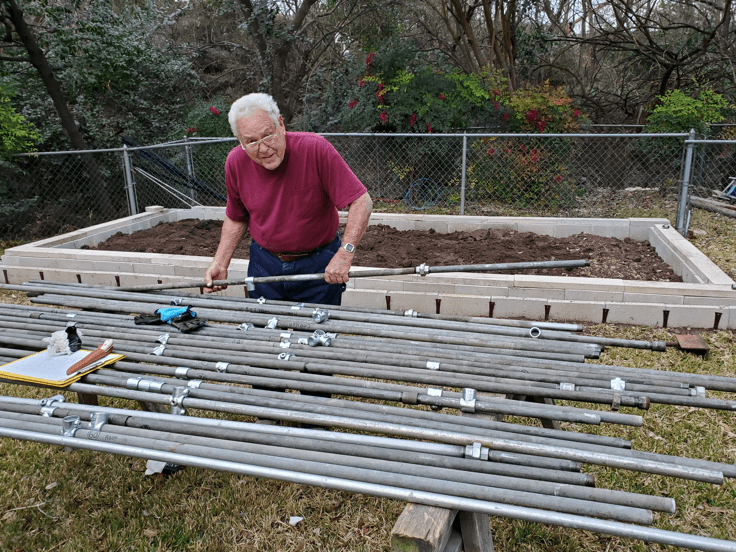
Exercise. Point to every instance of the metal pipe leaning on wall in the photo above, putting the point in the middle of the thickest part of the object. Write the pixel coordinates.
(421, 497)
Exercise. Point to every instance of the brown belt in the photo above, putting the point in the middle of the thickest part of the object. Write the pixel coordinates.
(290, 257)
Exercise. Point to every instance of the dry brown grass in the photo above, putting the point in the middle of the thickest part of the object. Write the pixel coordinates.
(83, 501)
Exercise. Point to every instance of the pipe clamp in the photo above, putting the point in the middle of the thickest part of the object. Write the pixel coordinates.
(285, 356)
(158, 351)
(245, 326)
(567, 386)
(249, 285)
(433, 365)
(222, 366)
(261, 300)
(163, 338)
(47, 411)
(97, 420)
(411, 312)
(285, 344)
(272, 323)
(70, 425)
(194, 384)
(467, 399)
(617, 384)
(177, 400)
(176, 301)
(55, 398)
(320, 315)
(298, 306)
(182, 372)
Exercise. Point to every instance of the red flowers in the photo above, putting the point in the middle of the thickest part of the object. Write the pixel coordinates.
(352, 103)
(412, 119)
(531, 116)
(380, 92)
(576, 113)
(383, 116)
(491, 151)
(496, 106)
(441, 97)
(192, 130)
(214, 111)
(361, 83)
(429, 128)
(369, 61)
(505, 116)
(495, 93)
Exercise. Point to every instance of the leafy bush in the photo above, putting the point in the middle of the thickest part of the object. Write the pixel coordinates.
(17, 135)
(678, 112)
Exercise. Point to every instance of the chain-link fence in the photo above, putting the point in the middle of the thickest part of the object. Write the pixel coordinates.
(575, 175)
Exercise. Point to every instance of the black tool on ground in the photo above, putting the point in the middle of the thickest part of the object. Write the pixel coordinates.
(183, 319)
(75, 342)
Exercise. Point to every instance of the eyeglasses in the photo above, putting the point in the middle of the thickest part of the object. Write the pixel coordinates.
(253, 145)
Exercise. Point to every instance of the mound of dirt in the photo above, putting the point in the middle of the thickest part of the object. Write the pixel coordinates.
(385, 247)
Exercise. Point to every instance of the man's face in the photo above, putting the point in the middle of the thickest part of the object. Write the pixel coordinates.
(268, 153)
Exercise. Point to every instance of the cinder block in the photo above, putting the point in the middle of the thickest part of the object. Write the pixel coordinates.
(429, 287)
(585, 311)
(643, 314)
(516, 307)
(373, 299)
(580, 296)
(462, 305)
(378, 284)
(653, 298)
(720, 302)
(539, 293)
(20, 274)
(484, 291)
(730, 319)
(403, 300)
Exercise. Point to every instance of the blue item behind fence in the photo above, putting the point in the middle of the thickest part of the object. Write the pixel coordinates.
(422, 194)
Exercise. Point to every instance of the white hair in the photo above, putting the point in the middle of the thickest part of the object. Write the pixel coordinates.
(249, 103)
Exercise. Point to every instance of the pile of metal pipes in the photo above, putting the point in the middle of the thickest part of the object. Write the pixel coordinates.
(449, 476)
(168, 368)
(536, 362)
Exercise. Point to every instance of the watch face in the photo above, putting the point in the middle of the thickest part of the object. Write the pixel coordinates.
(349, 247)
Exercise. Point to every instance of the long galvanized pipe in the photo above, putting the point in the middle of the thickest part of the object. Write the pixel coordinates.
(383, 448)
(366, 273)
(371, 472)
(380, 330)
(436, 378)
(458, 438)
(544, 325)
(449, 325)
(432, 499)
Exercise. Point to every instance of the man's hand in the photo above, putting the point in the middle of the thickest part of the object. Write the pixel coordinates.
(214, 272)
(337, 271)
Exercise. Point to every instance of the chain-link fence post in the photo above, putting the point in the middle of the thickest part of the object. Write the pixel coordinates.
(190, 166)
(462, 177)
(129, 183)
(683, 214)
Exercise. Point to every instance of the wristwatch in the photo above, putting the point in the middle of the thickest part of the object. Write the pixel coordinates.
(349, 247)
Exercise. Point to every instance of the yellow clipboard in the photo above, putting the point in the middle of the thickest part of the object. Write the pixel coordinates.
(51, 370)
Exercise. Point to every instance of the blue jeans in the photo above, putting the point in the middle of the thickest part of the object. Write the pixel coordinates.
(264, 263)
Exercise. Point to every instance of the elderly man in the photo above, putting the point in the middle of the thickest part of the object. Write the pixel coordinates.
(286, 188)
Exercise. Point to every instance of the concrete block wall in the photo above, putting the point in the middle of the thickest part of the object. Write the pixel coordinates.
(695, 302)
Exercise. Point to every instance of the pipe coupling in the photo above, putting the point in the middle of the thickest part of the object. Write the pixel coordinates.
(182, 372)
(70, 425)
(467, 400)
(177, 400)
(422, 269)
(320, 315)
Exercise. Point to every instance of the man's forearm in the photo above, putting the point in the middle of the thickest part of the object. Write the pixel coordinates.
(359, 213)
(232, 233)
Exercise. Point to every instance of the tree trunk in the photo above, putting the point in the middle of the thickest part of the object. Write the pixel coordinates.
(38, 59)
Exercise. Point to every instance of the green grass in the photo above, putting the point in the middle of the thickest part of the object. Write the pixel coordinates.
(82, 501)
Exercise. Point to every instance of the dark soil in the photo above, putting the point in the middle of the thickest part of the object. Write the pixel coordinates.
(385, 247)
